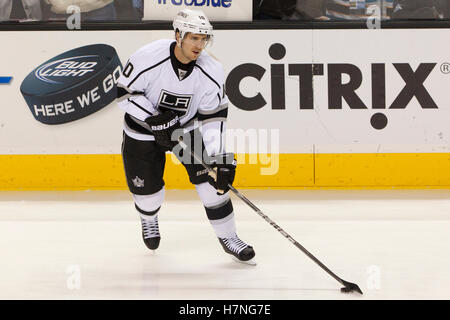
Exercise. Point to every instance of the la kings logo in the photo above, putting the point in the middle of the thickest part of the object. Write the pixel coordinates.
(138, 182)
(179, 103)
(413, 87)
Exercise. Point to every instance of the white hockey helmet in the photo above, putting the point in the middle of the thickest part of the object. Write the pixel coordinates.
(194, 21)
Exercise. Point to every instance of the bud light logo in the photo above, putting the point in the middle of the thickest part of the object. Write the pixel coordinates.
(73, 84)
(55, 71)
(198, 3)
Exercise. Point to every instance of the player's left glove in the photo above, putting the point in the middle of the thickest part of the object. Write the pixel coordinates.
(163, 125)
(224, 170)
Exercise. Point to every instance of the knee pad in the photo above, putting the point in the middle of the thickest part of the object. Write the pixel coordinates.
(149, 204)
(209, 195)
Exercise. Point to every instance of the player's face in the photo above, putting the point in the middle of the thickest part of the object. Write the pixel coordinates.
(193, 44)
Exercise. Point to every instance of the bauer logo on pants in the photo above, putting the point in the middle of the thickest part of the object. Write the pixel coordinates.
(73, 84)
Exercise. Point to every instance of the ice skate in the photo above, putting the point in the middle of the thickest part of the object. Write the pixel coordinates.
(239, 250)
(150, 232)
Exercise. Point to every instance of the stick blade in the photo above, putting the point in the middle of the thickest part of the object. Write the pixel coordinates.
(350, 287)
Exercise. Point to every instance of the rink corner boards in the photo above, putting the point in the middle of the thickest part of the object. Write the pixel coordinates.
(280, 171)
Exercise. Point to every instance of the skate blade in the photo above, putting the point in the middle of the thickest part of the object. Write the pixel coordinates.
(250, 262)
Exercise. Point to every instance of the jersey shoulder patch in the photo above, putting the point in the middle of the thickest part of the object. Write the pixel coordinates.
(211, 68)
(152, 53)
(145, 60)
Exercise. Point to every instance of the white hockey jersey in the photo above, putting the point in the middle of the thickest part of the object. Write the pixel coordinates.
(153, 81)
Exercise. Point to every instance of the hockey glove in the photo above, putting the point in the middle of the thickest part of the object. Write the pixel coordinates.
(224, 170)
(163, 125)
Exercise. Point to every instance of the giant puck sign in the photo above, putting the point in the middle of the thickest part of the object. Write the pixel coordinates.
(73, 84)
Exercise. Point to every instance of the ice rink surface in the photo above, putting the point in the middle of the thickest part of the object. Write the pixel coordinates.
(395, 244)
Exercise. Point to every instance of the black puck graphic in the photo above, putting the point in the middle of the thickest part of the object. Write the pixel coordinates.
(73, 84)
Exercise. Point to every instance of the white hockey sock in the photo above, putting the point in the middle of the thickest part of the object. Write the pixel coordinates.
(224, 228)
(148, 218)
(149, 205)
(219, 210)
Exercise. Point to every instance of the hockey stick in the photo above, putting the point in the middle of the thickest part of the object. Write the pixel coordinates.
(348, 286)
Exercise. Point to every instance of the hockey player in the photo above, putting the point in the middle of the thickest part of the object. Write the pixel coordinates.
(168, 86)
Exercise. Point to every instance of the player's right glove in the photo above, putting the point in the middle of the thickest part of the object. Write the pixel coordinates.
(224, 170)
(163, 125)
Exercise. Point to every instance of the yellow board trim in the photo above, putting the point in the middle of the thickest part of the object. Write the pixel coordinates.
(309, 171)
(385, 169)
